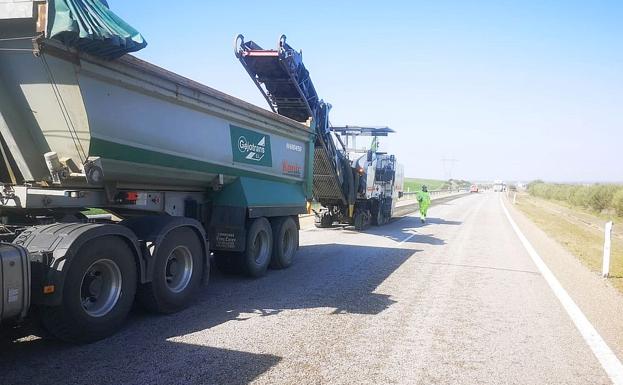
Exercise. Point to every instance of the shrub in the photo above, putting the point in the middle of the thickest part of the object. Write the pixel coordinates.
(580, 196)
(562, 192)
(597, 197)
(539, 189)
(617, 202)
(534, 182)
(601, 197)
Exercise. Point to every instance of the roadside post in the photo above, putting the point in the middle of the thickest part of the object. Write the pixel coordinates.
(605, 270)
(515, 198)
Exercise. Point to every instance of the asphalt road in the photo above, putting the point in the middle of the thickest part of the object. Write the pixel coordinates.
(455, 301)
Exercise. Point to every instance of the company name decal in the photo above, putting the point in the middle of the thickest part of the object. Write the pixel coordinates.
(291, 169)
(254, 151)
(250, 146)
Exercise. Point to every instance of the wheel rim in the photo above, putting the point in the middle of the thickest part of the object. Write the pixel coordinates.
(179, 269)
(287, 243)
(260, 248)
(101, 288)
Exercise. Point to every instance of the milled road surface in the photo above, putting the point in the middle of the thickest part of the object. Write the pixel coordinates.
(455, 301)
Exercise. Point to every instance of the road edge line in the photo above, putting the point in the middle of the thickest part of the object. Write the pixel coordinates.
(606, 357)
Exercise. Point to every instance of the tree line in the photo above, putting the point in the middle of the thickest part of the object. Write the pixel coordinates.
(597, 197)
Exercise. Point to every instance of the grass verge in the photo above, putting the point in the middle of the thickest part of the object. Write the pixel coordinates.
(584, 241)
(415, 184)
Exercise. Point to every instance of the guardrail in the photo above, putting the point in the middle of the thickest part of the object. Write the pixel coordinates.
(410, 196)
(433, 193)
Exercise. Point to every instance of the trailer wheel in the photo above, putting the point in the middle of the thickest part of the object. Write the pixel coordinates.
(285, 242)
(377, 213)
(98, 292)
(361, 219)
(256, 257)
(178, 266)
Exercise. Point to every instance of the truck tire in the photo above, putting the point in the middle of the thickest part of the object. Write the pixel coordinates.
(377, 213)
(98, 292)
(379, 217)
(178, 268)
(285, 242)
(361, 219)
(257, 255)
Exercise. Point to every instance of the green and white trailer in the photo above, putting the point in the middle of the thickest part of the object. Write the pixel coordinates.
(185, 171)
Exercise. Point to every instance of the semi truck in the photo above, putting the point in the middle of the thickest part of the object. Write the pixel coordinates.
(185, 171)
(499, 186)
(185, 174)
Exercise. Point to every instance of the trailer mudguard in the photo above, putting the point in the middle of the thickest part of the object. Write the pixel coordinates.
(154, 228)
(263, 198)
(227, 228)
(60, 243)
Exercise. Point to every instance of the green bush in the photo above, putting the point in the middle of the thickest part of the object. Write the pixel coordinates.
(539, 190)
(562, 192)
(617, 202)
(601, 197)
(580, 196)
(597, 197)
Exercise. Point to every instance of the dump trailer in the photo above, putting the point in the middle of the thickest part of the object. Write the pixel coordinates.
(353, 188)
(184, 171)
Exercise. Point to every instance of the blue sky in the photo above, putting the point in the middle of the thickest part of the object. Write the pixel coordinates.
(514, 90)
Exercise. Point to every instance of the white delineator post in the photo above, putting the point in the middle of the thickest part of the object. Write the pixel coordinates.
(605, 270)
(515, 198)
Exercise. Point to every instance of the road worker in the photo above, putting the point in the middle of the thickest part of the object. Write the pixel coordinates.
(423, 198)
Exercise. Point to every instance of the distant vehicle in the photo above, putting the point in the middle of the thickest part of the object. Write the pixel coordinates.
(499, 186)
(473, 188)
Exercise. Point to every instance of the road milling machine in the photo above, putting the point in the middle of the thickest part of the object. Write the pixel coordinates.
(356, 186)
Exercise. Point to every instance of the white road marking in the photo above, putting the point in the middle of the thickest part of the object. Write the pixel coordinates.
(604, 354)
(407, 238)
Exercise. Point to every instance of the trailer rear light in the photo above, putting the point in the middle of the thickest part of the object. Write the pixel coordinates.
(49, 289)
(127, 197)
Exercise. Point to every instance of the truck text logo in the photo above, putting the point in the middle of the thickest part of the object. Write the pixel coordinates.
(291, 169)
(254, 151)
(250, 147)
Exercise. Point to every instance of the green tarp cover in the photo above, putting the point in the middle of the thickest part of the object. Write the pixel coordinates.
(91, 27)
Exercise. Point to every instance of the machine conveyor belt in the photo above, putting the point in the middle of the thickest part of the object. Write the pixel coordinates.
(282, 78)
